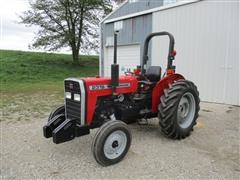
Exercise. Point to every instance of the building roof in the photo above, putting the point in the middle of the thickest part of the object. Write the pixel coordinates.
(108, 18)
(134, 6)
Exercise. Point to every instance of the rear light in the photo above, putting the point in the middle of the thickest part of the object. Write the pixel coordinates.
(174, 53)
(170, 71)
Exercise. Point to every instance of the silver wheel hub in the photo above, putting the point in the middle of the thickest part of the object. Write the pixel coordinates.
(186, 110)
(115, 144)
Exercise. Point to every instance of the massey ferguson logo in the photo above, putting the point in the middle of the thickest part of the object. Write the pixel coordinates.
(71, 86)
(104, 87)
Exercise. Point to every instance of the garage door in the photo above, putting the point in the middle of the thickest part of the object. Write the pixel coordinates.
(128, 57)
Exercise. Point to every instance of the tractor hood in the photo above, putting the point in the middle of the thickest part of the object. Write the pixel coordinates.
(102, 85)
(97, 87)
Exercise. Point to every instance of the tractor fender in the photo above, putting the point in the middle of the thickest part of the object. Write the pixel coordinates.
(158, 90)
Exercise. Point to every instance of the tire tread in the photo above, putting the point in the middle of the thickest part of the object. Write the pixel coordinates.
(168, 108)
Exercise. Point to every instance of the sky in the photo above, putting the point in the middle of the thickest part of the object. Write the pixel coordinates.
(15, 36)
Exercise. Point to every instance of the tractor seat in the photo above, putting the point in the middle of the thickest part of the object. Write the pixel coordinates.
(153, 73)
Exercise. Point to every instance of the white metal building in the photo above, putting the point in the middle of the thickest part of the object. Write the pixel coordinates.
(207, 42)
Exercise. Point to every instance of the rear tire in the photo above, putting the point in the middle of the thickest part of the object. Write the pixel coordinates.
(111, 142)
(178, 109)
(57, 111)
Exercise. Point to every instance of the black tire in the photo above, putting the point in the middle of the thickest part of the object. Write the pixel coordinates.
(101, 137)
(57, 111)
(170, 107)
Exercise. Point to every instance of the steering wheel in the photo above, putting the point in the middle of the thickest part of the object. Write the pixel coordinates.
(128, 73)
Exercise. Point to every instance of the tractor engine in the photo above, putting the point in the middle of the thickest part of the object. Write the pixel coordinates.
(127, 107)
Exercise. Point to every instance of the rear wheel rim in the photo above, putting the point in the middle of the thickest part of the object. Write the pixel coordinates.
(115, 144)
(186, 110)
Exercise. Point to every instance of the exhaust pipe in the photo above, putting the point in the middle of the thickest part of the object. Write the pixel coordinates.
(115, 67)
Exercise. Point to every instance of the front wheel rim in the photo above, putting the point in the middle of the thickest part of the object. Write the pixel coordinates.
(115, 144)
(186, 110)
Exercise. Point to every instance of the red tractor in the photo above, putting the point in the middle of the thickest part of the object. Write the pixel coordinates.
(111, 102)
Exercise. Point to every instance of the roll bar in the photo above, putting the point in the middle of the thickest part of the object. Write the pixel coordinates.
(171, 52)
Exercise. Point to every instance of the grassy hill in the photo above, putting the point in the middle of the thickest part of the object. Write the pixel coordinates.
(30, 71)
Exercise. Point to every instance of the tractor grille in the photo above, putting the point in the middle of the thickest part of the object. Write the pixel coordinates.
(73, 108)
(72, 86)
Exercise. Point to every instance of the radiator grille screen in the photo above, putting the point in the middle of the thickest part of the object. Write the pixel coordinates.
(73, 108)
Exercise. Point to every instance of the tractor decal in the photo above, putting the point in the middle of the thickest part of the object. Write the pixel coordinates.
(105, 86)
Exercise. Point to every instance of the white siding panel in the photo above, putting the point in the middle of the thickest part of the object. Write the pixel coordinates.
(128, 57)
(207, 44)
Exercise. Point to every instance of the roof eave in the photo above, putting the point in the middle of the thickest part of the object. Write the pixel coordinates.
(169, 6)
(122, 4)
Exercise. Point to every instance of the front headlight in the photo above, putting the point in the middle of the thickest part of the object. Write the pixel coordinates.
(77, 97)
(68, 95)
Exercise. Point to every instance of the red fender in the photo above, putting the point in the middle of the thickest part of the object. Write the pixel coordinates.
(158, 90)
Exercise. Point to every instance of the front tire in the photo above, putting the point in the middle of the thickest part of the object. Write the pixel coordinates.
(111, 142)
(178, 109)
(57, 111)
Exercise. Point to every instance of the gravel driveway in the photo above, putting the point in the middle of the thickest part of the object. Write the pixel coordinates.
(212, 151)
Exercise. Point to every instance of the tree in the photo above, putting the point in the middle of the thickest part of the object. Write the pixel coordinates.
(66, 23)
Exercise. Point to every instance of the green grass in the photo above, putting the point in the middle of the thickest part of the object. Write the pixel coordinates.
(31, 71)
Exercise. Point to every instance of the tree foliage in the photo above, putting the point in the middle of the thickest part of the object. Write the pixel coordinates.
(66, 23)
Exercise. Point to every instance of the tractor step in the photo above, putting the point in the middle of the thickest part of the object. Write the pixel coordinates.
(63, 130)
